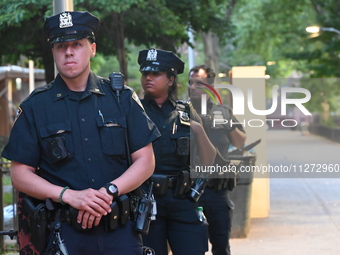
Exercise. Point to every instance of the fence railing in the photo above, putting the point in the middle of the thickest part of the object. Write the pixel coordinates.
(332, 133)
(8, 224)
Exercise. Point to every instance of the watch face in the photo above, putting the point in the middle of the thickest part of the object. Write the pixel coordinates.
(112, 189)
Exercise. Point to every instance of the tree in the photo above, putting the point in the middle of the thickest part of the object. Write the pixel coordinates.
(22, 35)
(142, 24)
(275, 30)
(123, 22)
(211, 22)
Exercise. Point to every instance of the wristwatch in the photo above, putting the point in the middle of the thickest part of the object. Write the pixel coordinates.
(111, 189)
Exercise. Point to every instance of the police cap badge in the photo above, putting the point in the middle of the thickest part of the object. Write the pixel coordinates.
(153, 60)
(70, 26)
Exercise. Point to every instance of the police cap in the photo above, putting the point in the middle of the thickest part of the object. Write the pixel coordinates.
(70, 26)
(153, 60)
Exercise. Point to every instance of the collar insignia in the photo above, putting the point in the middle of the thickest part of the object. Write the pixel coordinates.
(65, 20)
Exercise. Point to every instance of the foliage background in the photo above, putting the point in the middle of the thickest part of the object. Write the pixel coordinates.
(227, 33)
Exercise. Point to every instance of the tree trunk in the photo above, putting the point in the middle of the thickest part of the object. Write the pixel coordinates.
(211, 46)
(118, 37)
(211, 43)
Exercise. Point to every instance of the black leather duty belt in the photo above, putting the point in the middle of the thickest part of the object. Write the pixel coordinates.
(180, 183)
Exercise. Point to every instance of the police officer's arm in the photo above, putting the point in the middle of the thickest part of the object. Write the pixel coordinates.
(238, 138)
(25, 179)
(206, 149)
(143, 165)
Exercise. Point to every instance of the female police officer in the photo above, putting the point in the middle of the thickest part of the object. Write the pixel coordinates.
(73, 131)
(176, 221)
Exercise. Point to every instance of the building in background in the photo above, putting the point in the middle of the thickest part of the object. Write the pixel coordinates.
(14, 88)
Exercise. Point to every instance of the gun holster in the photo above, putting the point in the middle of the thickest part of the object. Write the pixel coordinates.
(38, 222)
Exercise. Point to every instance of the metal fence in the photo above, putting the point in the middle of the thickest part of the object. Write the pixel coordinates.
(328, 132)
(8, 215)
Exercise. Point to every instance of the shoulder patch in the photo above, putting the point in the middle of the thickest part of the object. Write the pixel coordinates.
(19, 111)
(136, 98)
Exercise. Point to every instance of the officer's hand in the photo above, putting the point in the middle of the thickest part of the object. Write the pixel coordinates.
(88, 220)
(92, 201)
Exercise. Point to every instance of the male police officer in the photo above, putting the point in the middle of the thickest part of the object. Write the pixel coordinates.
(68, 143)
(215, 200)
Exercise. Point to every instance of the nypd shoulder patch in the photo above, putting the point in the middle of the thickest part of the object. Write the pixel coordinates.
(19, 111)
(136, 98)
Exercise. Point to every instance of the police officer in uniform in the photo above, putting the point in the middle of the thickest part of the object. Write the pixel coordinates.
(215, 199)
(68, 143)
(177, 220)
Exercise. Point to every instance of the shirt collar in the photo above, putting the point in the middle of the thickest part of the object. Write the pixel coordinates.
(94, 86)
(147, 100)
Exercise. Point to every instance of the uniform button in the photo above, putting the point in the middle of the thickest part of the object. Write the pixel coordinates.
(164, 126)
(89, 160)
(93, 180)
(83, 120)
(86, 139)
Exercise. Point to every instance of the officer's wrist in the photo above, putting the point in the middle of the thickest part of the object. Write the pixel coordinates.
(111, 189)
(62, 199)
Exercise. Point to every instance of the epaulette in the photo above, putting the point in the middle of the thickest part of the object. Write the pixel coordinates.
(39, 90)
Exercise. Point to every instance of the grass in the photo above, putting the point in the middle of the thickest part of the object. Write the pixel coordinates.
(8, 196)
(6, 180)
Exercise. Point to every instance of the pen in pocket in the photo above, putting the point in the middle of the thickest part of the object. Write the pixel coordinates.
(101, 115)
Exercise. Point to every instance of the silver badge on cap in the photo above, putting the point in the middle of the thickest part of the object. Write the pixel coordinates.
(152, 55)
(65, 20)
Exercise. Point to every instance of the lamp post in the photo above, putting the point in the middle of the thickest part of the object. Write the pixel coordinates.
(316, 29)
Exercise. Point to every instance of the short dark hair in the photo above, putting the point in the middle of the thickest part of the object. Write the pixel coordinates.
(209, 71)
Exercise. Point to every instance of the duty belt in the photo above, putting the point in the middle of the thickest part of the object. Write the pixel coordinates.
(121, 211)
(180, 183)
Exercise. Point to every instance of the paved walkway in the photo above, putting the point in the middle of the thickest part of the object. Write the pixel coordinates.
(304, 216)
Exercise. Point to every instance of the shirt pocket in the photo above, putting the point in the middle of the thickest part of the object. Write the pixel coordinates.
(112, 135)
(56, 140)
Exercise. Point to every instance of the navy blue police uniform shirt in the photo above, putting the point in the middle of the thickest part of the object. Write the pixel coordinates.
(165, 147)
(91, 125)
